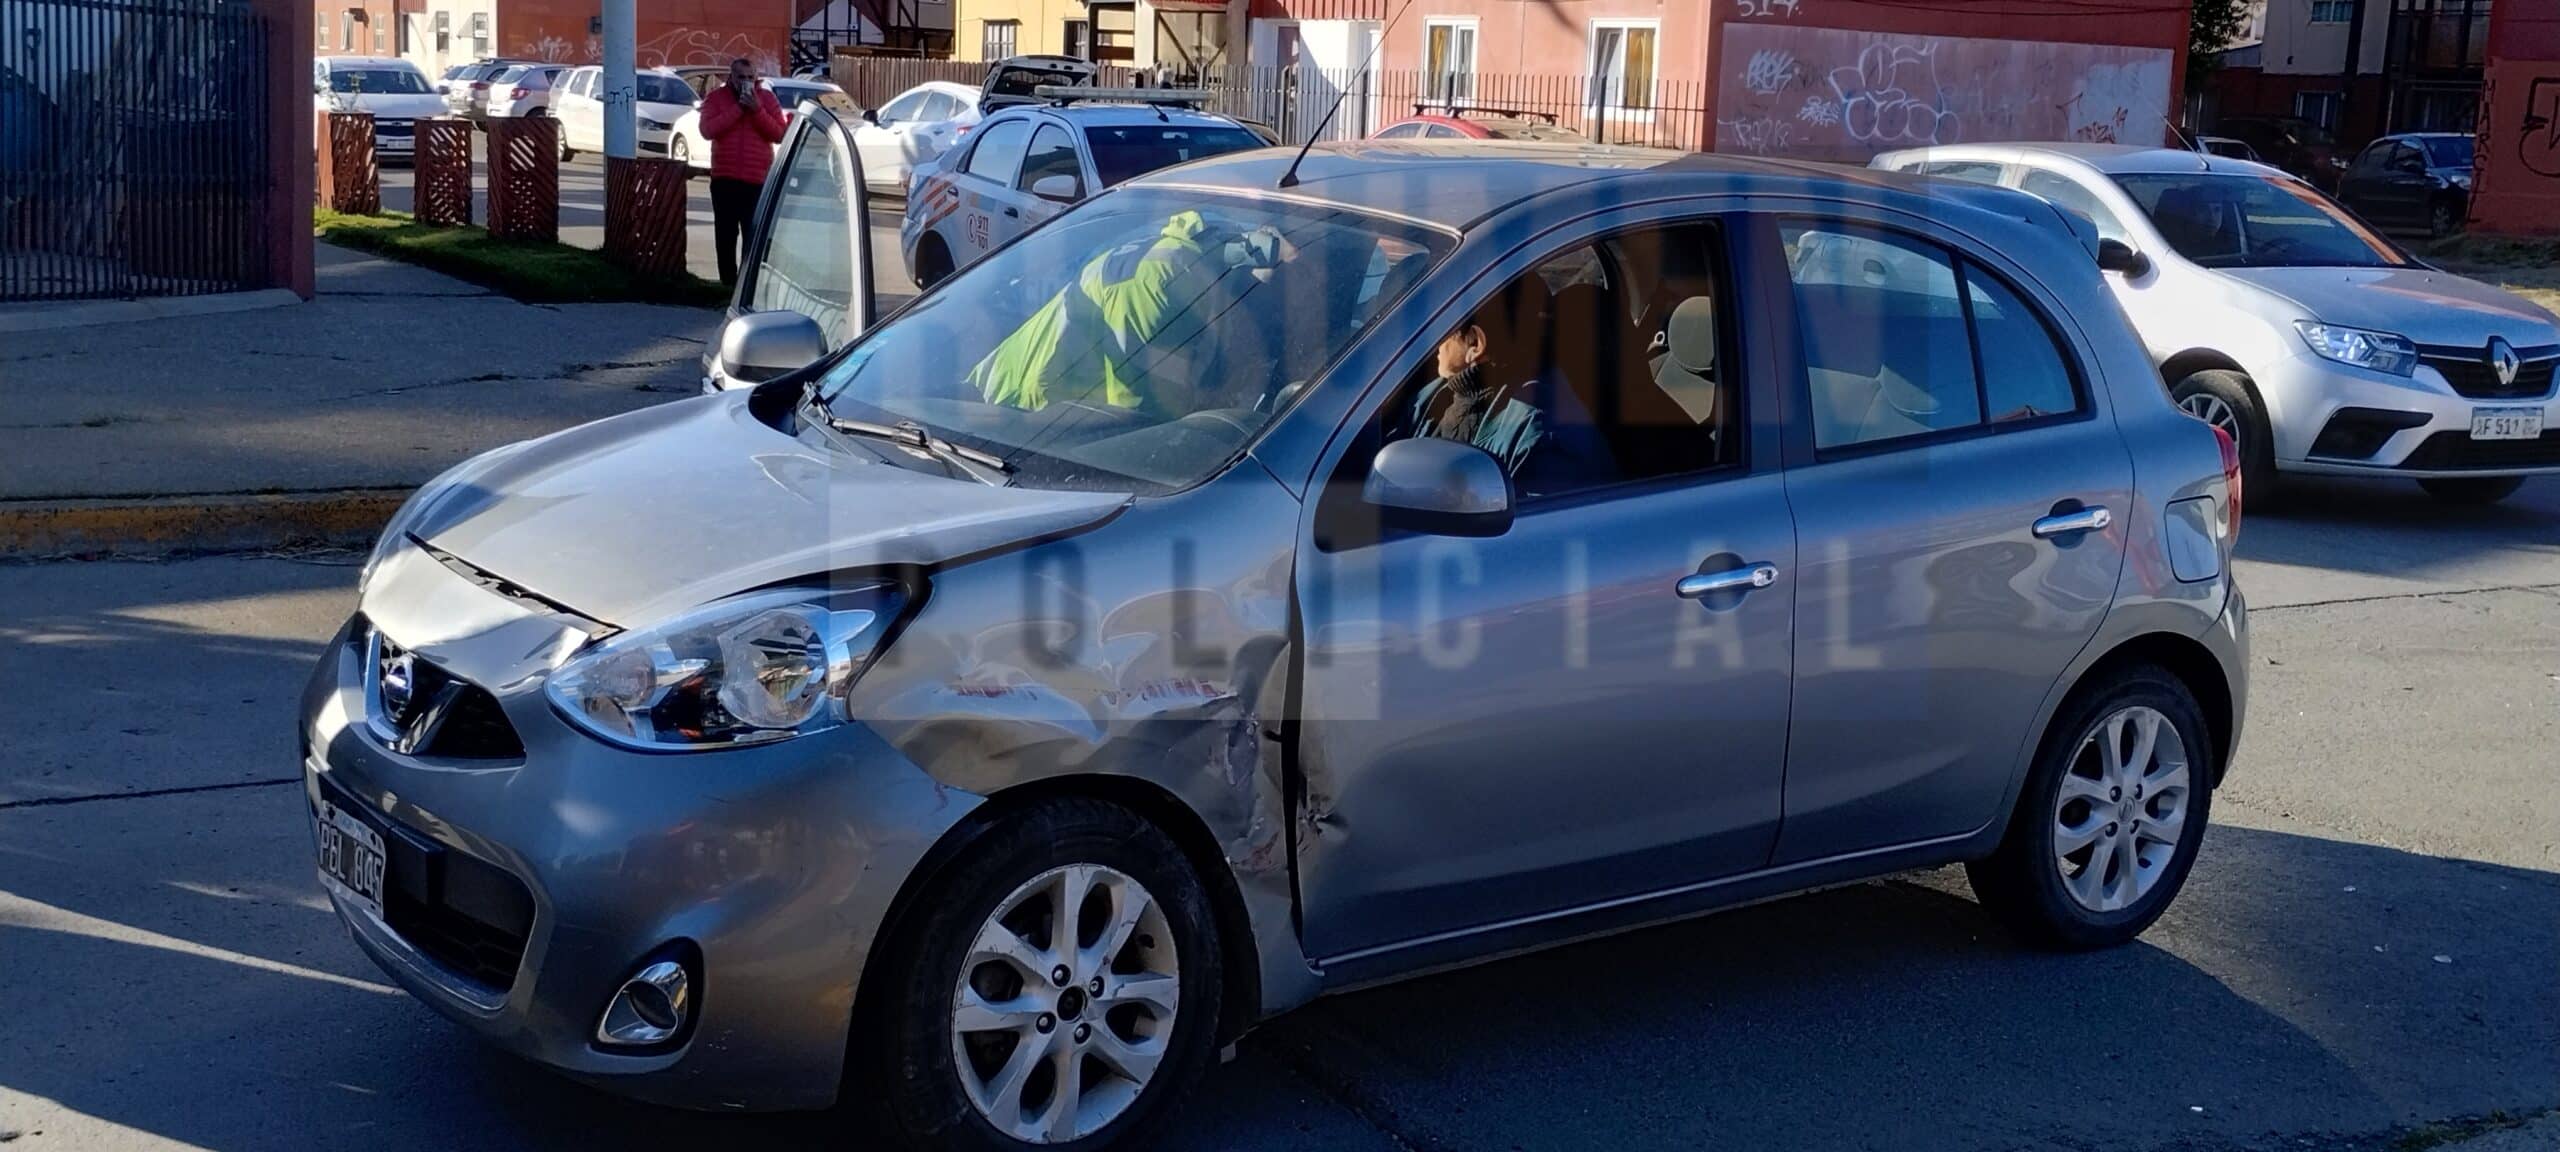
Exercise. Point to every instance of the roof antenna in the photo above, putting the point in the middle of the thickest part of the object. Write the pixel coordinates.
(1289, 179)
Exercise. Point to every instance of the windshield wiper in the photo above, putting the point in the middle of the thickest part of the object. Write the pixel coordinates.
(981, 466)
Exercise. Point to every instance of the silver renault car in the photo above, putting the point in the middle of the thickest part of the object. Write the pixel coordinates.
(1268, 578)
(2276, 315)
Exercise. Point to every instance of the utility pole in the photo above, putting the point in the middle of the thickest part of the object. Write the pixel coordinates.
(2346, 77)
(621, 83)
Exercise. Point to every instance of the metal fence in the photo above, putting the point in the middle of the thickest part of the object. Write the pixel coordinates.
(1293, 101)
(133, 148)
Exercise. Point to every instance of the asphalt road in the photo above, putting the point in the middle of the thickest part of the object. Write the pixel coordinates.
(582, 220)
(2367, 946)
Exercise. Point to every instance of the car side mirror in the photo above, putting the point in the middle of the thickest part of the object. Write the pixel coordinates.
(1439, 487)
(1058, 188)
(759, 346)
(2118, 256)
(871, 116)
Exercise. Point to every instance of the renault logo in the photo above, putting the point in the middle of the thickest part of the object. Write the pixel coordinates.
(2503, 359)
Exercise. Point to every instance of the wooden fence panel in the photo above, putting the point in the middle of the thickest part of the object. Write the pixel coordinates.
(443, 176)
(644, 214)
(524, 178)
(348, 180)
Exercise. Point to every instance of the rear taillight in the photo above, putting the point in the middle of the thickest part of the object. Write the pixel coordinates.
(479, 85)
(519, 93)
(2231, 480)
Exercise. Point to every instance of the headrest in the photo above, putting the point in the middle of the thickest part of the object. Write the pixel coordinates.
(1692, 335)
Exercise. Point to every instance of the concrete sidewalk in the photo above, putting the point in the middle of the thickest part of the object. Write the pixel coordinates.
(119, 437)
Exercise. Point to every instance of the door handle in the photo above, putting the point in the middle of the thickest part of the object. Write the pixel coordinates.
(1013, 213)
(2066, 523)
(1704, 584)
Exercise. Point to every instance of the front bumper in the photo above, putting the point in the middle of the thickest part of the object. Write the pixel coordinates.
(2303, 392)
(775, 865)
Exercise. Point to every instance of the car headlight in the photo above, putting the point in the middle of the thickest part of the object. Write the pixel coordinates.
(2379, 351)
(2460, 180)
(655, 125)
(747, 670)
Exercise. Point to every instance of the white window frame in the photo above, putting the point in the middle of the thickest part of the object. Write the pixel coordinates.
(985, 30)
(1431, 89)
(2333, 101)
(1590, 58)
(2341, 11)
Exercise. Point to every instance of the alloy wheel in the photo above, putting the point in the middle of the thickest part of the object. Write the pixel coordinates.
(2122, 808)
(2209, 408)
(1065, 1004)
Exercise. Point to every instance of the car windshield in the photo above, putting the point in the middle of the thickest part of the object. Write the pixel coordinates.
(2449, 151)
(656, 89)
(2236, 221)
(1136, 343)
(1121, 152)
(399, 81)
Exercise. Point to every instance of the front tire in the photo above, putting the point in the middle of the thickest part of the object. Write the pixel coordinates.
(2472, 489)
(2224, 399)
(2444, 219)
(2112, 814)
(680, 150)
(981, 1045)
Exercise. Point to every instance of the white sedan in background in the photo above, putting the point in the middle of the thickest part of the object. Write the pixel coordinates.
(1030, 162)
(577, 102)
(913, 129)
(687, 143)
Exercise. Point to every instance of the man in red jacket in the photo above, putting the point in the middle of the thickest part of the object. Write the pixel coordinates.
(744, 122)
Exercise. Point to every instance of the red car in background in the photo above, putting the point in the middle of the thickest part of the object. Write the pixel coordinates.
(1470, 122)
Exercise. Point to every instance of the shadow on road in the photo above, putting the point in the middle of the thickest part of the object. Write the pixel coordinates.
(2392, 528)
(2294, 989)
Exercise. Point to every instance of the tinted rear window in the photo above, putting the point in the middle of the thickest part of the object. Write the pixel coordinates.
(664, 90)
(1120, 153)
(2449, 151)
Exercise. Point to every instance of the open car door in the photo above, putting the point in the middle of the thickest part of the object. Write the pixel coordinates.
(807, 250)
(1014, 79)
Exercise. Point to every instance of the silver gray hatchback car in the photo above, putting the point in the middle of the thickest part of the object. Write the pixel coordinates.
(1259, 582)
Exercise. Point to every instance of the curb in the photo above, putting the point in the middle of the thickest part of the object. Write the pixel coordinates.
(49, 317)
(160, 526)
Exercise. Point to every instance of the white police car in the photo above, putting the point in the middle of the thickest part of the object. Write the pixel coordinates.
(1029, 162)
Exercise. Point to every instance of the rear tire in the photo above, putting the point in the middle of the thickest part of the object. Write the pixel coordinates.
(2224, 399)
(936, 1083)
(2056, 879)
(2444, 219)
(933, 262)
(2473, 489)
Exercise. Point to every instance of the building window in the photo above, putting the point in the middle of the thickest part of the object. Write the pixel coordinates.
(402, 23)
(346, 31)
(380, 35)
(1622, 64)
(479, 34)
(1115, 32)
(1000, 39)
(2320, 108)
(444, 33)
(2332, 11)
(1449, 60)
(1075, 38)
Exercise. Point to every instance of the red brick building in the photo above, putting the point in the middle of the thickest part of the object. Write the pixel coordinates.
(1835, 79)
(2516, 187)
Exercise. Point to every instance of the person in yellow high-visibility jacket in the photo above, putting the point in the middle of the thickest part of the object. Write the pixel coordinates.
(1110, 337)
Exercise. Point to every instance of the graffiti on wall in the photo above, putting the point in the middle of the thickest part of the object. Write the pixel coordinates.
(1766, 9)
(1837, 94)
(674, 48)
(2538, 130)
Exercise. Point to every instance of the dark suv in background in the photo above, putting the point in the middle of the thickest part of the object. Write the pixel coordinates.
(2288, 142)
(2413, 182)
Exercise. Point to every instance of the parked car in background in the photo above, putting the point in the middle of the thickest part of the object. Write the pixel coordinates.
(521, 91)
(992, 715)
(702, 78)
(914, 127)
(2414, 182)
(1456, 122)
(466, 88)
(2236, 149)
(2318, 344)
(687, 143)
(577, 102)
(2290, 143)
(1029, 162)
(392, 89)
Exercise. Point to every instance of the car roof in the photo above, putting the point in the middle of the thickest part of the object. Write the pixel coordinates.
(367, 62)
(1102, 114)
(1459, 183)
(2111, 159)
